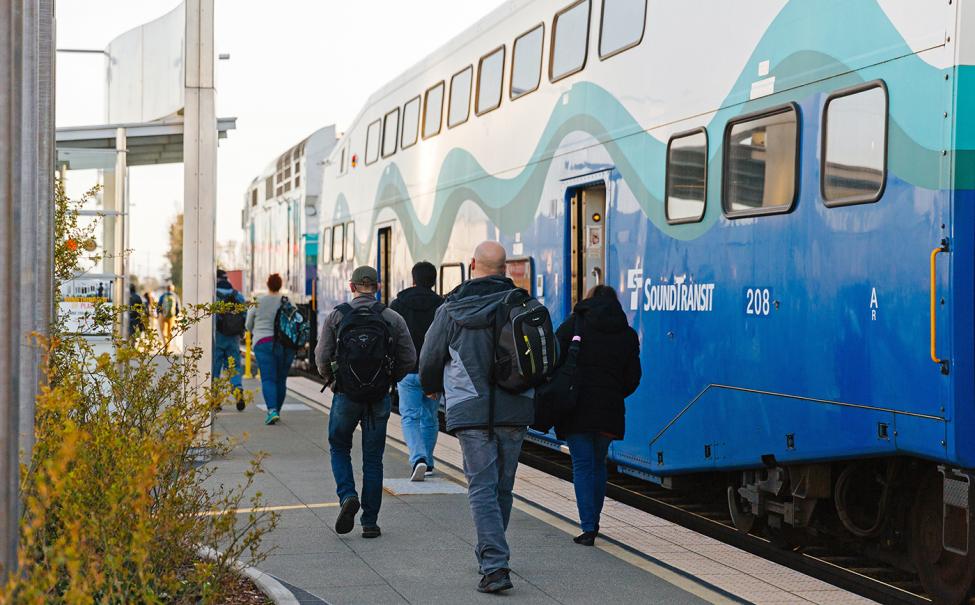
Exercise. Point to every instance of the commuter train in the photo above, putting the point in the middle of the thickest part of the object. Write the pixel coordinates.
(783, 195)
(280, 223)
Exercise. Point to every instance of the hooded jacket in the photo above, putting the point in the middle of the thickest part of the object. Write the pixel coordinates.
(225, 291)
(417, 305)
(608, 369)
(458, 356)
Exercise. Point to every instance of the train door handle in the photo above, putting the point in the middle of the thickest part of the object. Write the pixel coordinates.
(934, 307)
(598, 274)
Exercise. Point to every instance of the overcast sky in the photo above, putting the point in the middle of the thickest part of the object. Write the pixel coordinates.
(295, 65)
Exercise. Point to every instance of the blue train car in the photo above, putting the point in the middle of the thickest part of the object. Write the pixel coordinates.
(782, 194)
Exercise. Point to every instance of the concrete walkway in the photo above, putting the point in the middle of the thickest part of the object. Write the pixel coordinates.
(426, 552)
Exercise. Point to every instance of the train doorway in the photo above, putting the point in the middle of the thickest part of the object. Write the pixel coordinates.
(587, 211)
(384, 239)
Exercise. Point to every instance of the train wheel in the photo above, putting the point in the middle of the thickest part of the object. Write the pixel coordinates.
(946, 576)
(743, 522)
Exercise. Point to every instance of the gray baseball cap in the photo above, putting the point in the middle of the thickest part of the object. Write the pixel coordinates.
(365, 275)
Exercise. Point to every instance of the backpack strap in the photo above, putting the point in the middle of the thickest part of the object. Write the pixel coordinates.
(377, 307)
(344, 309)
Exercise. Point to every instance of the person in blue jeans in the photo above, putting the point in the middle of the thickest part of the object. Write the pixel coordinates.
(419, 414)
(273, 359)
(357, 322)
(227, 330)
(607, 372)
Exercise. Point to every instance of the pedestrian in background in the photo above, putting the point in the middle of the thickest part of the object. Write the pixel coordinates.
(136, 312)
(607, 372)
(418, 413)
(168, 307)
(273, 359)
(364, 349)
(228, 328)
(458, 360)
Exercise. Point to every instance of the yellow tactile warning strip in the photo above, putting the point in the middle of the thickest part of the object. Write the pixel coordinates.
(664, 546)
(267, 509)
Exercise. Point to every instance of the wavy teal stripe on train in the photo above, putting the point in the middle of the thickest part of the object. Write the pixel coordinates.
(916, 133)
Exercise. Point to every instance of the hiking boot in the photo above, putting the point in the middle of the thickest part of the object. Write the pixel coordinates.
(372, 531)
(419, 470)
(496, 581)
(272, 417)
(240, 404)
(346, 520)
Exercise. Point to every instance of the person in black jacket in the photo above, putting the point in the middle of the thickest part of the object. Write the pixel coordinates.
(607, 372)
(418, 412)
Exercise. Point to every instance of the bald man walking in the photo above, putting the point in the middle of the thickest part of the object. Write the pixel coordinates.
(457, 360)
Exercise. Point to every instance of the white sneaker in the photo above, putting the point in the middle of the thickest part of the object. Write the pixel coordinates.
(419, 471)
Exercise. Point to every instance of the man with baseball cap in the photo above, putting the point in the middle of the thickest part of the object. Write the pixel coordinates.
(364, 349)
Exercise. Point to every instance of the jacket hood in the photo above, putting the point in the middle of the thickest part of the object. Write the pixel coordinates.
(419, 298)
(472, 304)
(225, 285)
(602, 313)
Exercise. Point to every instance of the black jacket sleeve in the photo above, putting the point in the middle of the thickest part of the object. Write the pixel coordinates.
(634, 372)
(564, 336)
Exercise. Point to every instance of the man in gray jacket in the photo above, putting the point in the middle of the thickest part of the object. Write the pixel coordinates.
(457, 360)
(346, 414)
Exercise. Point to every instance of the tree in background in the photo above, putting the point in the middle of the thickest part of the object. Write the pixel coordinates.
(175, 254)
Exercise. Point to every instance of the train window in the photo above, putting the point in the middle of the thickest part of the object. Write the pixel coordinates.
(490, 79)
(451, 276)
(687, 177)
(570, 41)
(327, 245)
(854, 164)
(372, 141)
(460, 97)
(350, 241)
(338, 242)
(761, 153)
(621, 26)
(254, 197)
(526, 62)
(297, 181)
(269, 188)
(343, 165)
(390, 132)
(411, 123)
(433, 110)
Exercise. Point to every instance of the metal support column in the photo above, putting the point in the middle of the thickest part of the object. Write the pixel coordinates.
(200, 181)
(120, 222)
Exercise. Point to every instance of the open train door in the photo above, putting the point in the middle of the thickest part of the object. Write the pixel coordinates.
(587, 238)
(384, 250)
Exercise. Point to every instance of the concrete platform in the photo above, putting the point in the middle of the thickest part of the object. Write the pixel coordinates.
(426, 553)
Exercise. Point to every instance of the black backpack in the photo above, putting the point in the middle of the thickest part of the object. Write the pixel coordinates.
(363, 353)
(558, 397)
(231, 324)
(525, 350)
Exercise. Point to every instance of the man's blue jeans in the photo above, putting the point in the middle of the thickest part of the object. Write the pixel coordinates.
(274, 360)
(588, 452)
(418, 414)
(490, 466)
(224, 349)
(342, 420)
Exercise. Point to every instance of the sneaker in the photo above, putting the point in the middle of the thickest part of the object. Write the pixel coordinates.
(346, 520)
(272, 417)
(240, 404)
(419, 470)
(587, 538)
(372, 531)
(496, 581)
(429, 472)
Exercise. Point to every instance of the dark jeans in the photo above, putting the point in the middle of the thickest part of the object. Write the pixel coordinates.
(490, 466)
(589, 475)
(342, 420)
(226, 348)
(274, 361)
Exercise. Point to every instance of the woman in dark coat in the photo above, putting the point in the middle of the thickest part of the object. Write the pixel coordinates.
(608, 371)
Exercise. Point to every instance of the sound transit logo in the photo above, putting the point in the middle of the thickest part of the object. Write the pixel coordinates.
(679, 295)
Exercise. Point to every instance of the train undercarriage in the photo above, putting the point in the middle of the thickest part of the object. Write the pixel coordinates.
(907, 513)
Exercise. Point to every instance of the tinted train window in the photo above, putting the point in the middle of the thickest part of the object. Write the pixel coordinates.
(338, 242)
(570, 40)
(451, 276)
(433, 110)
(343, 165)
(855, 146)
(390, 132)
(621, 26)
(327, 245)
(490, 76)
(687, 177)
(411, 122)
(372, 142)
(526, 62)
(760, 154)
(350, 241)
(460, 97)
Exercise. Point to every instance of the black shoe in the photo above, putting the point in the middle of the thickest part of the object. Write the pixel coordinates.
(372, 531)
(496, 581)
(587, 538)
(240, 404)
(346, 520)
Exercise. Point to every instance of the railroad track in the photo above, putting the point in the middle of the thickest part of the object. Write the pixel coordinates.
(708, 515)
